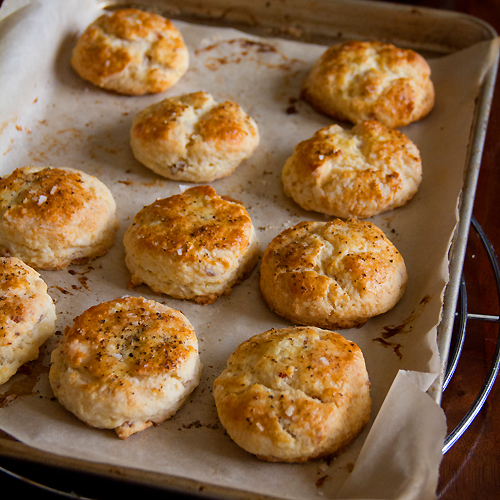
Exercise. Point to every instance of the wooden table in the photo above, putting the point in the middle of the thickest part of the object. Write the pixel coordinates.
(471, 469)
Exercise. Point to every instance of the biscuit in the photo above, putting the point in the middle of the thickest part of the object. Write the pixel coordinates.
(195, 245)
(132, 52)
(332, 275)
(27, 315)
(358, 81)
(126, 365)
(52, 217)
(193, 138)
(294, 394)
(359, 172)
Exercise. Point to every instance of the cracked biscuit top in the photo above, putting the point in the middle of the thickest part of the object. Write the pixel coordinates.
(356, 81)
(357, 172)
(193, 138)
(130, 51)
(294, 394)
(332, 275)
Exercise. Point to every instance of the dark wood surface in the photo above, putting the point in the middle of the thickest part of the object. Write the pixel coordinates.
(471, 469)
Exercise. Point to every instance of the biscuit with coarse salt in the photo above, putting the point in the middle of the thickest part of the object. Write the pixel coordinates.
(196, 245)
(27, 315)
(193, 137)
(332, 275)
(131, 52)
(294, 394)
(53, 217)
(126, 364)
(357, 81)
(357, 172)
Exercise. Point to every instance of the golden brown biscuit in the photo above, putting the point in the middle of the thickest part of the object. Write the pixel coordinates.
(195, 245)
(193, 138)
(358, 81)
(27, 315)
(131, 52)
(126, 364)
(294, 394)
(353, 173)
(52, 217)
(332, 275)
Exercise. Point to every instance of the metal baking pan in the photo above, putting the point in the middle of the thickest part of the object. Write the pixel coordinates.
(431, 32)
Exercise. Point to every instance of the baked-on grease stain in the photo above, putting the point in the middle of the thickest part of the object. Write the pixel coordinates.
(390, 331)
(243, 43)
(394, 345)
(405, 327)
(81, 277)
(321, 481)
(246, 46)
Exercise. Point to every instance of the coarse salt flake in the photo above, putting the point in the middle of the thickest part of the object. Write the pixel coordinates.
(179, 251)
(289, 411)
(259, 426)
(324, 360)
(321, 157)
(42, 199)
(53, 190)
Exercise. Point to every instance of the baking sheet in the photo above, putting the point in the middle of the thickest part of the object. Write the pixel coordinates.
(58, 119)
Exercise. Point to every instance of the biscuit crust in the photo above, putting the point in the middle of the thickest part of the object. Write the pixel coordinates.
(27, 315)
(132, 52)
(294, 394)
(52, 217)
(193, 138)
(360, 172)
(356, 81)
(126, 364)
(195, 245)
(332, 275)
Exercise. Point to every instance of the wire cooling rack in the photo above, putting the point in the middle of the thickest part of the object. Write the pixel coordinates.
(462, 317)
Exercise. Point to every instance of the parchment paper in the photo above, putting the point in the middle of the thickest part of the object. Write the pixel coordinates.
(50, 116)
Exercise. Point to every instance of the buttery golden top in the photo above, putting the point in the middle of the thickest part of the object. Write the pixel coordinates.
(359, 257)
(224, 123)
(48, 198)
(303, 359)
(220, 125)
(196, 220)
(128, 337)
(358, 81)
(357, 172)
(132, 52)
